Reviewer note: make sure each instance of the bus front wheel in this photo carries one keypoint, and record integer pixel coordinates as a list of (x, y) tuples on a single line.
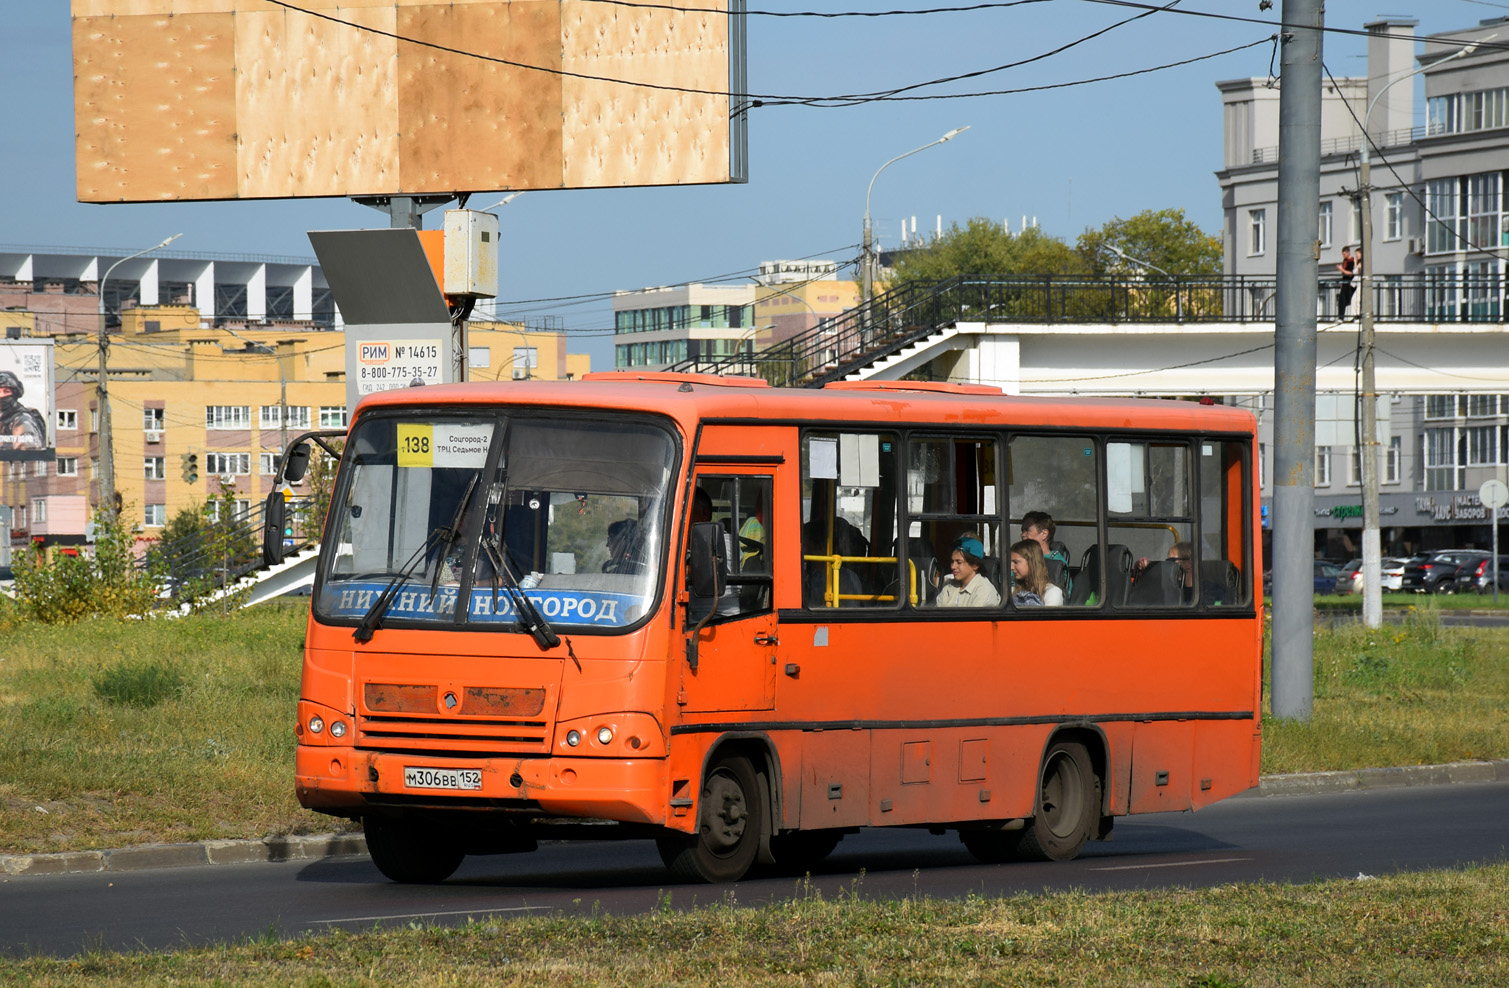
[(410, 853), (1067, 808), (728, 831)]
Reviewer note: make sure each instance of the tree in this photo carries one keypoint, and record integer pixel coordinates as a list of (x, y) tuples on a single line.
[(1162, 238), (983, 247)]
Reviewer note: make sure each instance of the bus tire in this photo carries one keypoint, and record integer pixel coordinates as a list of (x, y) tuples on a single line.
[(411, 853), (728, 830), (1067, 809), (799, 850)]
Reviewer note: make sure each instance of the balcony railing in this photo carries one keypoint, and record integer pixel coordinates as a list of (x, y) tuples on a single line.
[(840, 345)]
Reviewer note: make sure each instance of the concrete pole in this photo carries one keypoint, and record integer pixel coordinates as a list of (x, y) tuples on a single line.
[(1294, 360), (1372, 554)]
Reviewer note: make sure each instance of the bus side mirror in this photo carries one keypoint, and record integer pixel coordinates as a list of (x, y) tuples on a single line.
[(274, 517), (296, 463), (709, 563)]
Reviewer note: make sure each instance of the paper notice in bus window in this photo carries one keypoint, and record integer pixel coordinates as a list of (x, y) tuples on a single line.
[(1119, 478), (424, 444), (822, 459), (859, 460)]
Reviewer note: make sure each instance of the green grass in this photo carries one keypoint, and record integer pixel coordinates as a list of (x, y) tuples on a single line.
[(1413, 693), (1416, 602), (1404, 931), (133, 732)]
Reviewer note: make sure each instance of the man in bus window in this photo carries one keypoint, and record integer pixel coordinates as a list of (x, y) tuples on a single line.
[(1039, 527)]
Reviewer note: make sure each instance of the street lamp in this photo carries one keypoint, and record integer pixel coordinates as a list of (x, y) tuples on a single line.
[(869, 251), (1178, 295), (102, 389), (1372, 555), (504, 201)]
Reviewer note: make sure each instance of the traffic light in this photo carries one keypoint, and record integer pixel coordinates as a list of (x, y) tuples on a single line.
[(190, 468)]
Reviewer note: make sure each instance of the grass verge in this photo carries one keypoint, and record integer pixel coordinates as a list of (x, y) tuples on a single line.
[(1415, 602), (1413, 693), (1434, 928)]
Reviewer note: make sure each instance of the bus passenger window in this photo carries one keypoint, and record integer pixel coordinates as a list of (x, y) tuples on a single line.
[(1149, 505), (849, 526), (953, 523), (1053, 492), (1225, 535), (741, 507)]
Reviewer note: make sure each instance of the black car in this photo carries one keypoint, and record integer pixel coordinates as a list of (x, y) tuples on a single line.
[(1478, 576), (1436, 571)]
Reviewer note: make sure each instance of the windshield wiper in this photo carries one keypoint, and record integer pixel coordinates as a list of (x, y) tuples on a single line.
[(530, 619), (372, 620)]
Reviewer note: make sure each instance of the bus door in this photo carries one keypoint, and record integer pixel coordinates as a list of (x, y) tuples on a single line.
[(737, 646)]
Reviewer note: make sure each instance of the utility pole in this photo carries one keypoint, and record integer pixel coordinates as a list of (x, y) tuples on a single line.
[(102, 387), (1294, 359)]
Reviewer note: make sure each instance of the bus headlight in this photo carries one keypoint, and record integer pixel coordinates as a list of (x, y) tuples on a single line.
[(338, 729), (573, 738), (316, 724), (604, 735)]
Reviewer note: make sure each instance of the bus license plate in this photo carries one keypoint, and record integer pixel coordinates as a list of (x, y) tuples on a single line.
[(415, 777)]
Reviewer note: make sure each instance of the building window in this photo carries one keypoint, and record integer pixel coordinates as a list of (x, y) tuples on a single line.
[(94, 420), (40, 470), (1354, 222), (298, 417), (68, 419), (153, 419), (1393, 216), (1482, 446), (1326, 224), (525, 360), (240, 510), (1392, 461), (1440, 448), (227, 416), (39, 511), (1322, 466), (228, 464), (1483, 210), (155, 516), (1257, 227), (1441, 215), (332, 416), (1482, 406), (156, 467), (1440, 406), (1354, 468), (68, 466)]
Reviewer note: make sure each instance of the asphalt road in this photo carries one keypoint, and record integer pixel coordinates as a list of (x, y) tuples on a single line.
[(1250, 838)]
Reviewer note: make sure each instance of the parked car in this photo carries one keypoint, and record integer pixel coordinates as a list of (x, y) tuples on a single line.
[(1391, 570), (1479, 576), (1328, 577), (1435, 571)]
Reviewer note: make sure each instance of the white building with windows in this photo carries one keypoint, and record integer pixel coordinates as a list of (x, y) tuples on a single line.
[(1440, 226)]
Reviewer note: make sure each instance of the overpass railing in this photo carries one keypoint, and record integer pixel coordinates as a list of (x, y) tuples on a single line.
[(891, 321)]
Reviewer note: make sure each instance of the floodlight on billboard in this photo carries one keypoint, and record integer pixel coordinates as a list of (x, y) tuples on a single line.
[(277, 99), (26, 400)]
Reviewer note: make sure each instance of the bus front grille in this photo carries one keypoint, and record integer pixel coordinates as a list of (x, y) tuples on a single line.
[(453, 735)]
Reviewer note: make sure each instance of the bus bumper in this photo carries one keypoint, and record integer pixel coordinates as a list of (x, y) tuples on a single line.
[(345, 782)]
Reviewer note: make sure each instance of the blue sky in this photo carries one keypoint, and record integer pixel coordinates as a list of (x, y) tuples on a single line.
[(1072, 157)]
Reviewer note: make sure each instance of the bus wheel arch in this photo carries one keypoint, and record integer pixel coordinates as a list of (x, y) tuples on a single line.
[(737, 804)]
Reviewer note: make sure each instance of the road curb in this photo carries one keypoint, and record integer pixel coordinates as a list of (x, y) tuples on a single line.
[(321, 846), (1303, 783)]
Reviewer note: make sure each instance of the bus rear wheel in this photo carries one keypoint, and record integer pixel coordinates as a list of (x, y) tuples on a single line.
[(411, 853), (1067, 807), (728, 830)]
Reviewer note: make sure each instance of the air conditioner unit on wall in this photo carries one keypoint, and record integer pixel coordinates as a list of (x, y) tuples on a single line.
[(1415, 245), (154, 436)]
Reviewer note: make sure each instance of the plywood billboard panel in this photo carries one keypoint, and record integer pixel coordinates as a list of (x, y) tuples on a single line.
[(221, 99)]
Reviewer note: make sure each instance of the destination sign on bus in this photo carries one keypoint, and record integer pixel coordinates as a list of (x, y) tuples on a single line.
[(426, 444), (596, 608)]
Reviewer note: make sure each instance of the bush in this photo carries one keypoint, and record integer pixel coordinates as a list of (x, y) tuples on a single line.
[(137, 684), (61, 589)]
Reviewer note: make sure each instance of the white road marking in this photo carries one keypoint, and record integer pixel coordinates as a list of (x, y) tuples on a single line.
[(453, 912), (1172, 864)]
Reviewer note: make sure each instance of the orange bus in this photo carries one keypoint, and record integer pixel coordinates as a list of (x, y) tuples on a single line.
[(745, 621)]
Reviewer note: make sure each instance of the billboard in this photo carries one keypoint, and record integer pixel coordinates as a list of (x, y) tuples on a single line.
[(26, 400), (230, 99)]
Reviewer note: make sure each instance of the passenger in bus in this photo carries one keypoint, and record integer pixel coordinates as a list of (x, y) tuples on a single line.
[(967, 587), (1182, 555), (1039, 527), (1031, 586)]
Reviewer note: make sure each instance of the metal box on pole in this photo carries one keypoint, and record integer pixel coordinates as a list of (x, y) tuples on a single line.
[(471, 254)]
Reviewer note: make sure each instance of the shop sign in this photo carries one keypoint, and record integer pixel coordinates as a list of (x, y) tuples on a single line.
[(1457, 507)]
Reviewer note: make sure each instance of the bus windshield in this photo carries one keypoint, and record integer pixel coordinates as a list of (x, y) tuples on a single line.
[(452, 507)]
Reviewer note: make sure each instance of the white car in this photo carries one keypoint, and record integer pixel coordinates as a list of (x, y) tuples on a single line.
[(1393, 575)]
